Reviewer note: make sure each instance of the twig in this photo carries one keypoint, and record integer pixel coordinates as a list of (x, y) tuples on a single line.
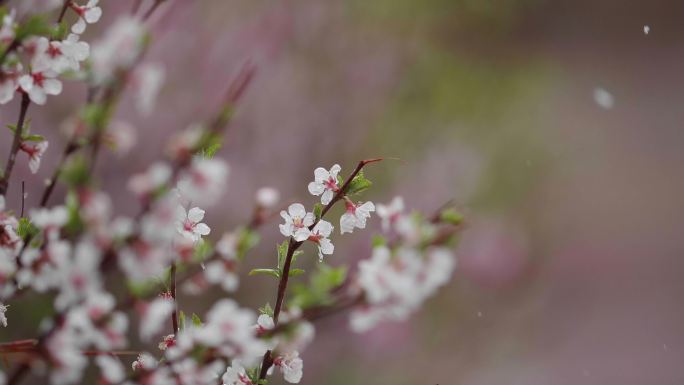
[(62, 12), (23, 197), (4, 182), (174, 314), (267, 360)]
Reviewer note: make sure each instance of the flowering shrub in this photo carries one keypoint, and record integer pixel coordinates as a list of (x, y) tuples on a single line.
[(65, 251)]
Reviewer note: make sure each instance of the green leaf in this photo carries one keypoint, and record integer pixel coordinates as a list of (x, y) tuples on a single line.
[(36, 25), (248, 239), (272, 272), (379, 240), (358, 184), (33, 138), (296, 272), (203, 250), (209, 144), (181, 320), (60, 31), (74, 224), (266, 309), (196, 320), (26, 229), (95, 116), (318, 211), (451, 216), (75, 172), (317, 291), (282, 253)]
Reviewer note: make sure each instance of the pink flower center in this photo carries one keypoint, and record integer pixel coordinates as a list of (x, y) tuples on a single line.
[(53, 51), (331, 184), (298, 222), (315, 238), (351, 207), (31, 151), (189, 225), (38, 78)]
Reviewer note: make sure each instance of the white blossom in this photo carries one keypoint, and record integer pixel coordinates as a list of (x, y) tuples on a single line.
[(390, 213), (297, 222), (3, 316), (189, 223), (35, 152), (230, 330), (120, 48), (355, 216), (223, 271), (111, 368), (325, 183), (87, 14), (155, 316), (144, 361), (205, 181), (39, 84), (291, 365), (235, 375), (146, 183), (267, 197), (147, 82), (9, 79), (319, 235)]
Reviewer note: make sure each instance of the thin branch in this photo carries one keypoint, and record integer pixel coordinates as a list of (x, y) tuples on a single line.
[(23, 198), (4, 182), (267, 360), (62, 12), (174, 314)]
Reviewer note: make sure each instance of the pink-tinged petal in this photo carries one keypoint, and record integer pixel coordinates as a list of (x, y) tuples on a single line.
[(93, 15), (316, 188), (302, 234), (297, 210), (26, 83), (325, 246), (37, 95), (196, 214), (202, 229), (286, 216), (34, 164), (181, 214), (52, 86), (327, 197), (366, 207), (324, 228), (321, 175), (347, 222), (79, 27), (334, 170), (308, 219), (285, 229)]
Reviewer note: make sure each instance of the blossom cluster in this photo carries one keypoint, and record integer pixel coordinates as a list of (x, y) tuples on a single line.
[(111, 277)]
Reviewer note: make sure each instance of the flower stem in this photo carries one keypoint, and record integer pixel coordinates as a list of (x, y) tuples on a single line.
[(174, 314), (267, 361), (4, 182)]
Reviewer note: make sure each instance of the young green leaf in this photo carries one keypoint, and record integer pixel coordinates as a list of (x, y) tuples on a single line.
[(272, 272), (181, 320), (358, 184), (196, 321)]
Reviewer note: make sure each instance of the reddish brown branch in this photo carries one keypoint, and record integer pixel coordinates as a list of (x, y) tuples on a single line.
[(4, 181)]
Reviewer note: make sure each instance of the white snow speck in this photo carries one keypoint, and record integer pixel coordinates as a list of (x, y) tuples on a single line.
[(647, 29), (604, 98)]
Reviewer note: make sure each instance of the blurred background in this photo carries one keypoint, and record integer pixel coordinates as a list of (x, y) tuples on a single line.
[(570, 267)]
